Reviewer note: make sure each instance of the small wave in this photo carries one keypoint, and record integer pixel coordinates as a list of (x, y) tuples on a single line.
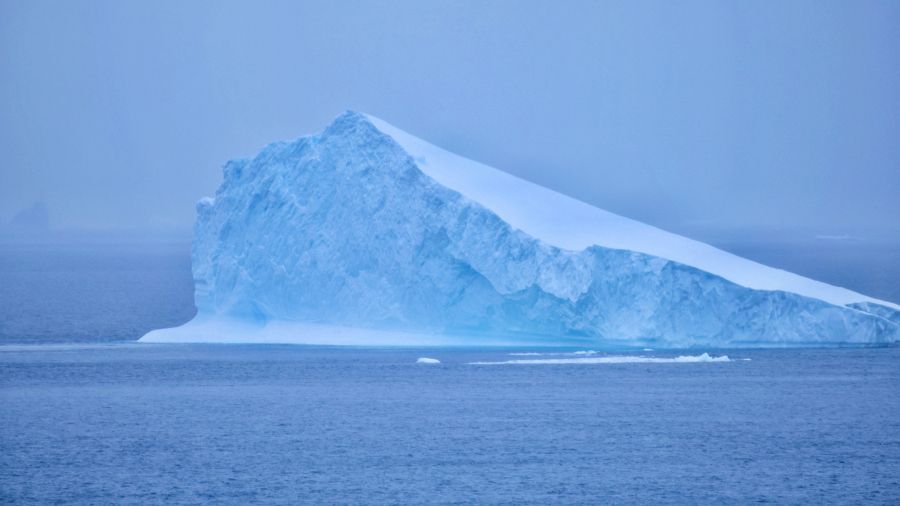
[(616, 359), (526, 354), (426, 360)]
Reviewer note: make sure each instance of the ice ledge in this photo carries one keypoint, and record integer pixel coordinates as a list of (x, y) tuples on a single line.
[(218, 329), (227, 330)]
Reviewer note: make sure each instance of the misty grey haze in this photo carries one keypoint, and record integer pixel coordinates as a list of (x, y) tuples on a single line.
[(767, 128)]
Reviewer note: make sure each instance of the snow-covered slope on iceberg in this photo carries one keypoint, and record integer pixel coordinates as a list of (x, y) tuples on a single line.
[(365, 234), (571, 224)]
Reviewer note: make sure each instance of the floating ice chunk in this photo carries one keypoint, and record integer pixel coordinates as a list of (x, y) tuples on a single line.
[(535, 354), (426, 360), (705, 357), (615, 359)]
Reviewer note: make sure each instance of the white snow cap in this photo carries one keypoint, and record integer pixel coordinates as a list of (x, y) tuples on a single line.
[(571, 224)]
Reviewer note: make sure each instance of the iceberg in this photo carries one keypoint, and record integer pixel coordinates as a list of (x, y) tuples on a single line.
[(365, 234)]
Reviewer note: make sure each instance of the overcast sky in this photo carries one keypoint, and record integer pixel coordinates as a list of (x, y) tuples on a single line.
[(699, 117)]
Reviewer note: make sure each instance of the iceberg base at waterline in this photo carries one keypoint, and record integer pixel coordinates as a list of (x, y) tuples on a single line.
[(226, 330)]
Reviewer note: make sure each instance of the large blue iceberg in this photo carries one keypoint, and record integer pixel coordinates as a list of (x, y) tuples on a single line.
[(363, 234)]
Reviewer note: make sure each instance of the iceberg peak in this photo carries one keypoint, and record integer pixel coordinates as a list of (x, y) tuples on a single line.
[(348, 122)]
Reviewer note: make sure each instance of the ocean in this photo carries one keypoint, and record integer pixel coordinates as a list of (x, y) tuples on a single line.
[(87, 416), (93, 291)]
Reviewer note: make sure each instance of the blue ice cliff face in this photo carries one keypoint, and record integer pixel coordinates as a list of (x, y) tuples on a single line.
[(343, 228)]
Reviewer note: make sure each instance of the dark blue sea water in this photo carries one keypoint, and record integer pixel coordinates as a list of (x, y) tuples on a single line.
[(133, 423), (92, 418), (91, 292)]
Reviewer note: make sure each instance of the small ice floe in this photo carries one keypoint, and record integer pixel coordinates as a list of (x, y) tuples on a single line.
[(617, 359), (535, 354), (426, 360), (705, 357)]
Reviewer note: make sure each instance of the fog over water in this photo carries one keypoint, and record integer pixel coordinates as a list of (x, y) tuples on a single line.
[(766, 129)]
